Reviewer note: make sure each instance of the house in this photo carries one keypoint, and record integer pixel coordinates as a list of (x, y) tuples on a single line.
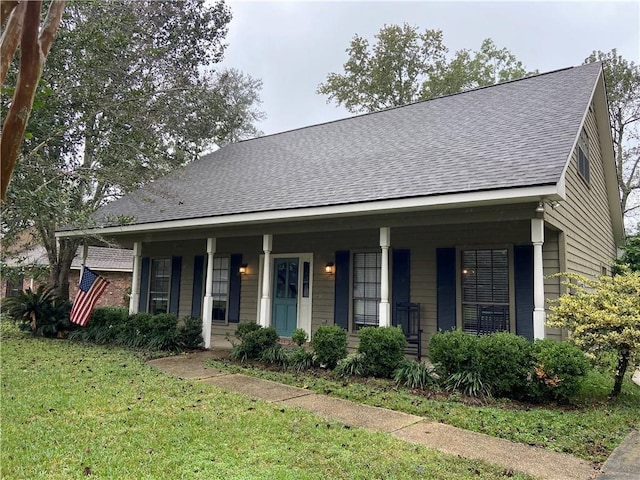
[(114, 264), (453, 209)]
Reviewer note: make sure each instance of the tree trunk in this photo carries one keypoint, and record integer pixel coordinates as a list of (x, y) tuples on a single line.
[(623, 363), (35, 44), (60, 270)]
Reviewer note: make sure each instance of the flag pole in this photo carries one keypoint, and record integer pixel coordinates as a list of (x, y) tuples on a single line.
[(85, 251)]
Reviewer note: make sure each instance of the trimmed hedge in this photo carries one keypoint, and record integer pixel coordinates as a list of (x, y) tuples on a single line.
[(383, 350), (503, 361), (559, 370), (113, 325), (254, 341), (329, 344), (507, 365)]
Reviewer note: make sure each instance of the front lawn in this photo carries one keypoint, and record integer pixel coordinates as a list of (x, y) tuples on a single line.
[(590, 429), (71, 410)]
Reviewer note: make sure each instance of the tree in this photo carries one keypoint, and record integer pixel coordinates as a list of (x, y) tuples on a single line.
[(129, 96), (404, 66), (468, 70), (22, 26), (631, 256), (602, 315), (623, 92)]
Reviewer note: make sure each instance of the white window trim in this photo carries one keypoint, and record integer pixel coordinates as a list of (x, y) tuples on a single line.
[(226, 311), (352, 253), (512, 282), (151, 260)]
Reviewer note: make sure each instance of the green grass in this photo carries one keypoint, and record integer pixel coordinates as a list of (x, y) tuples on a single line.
[(71, 410), (590, 429)]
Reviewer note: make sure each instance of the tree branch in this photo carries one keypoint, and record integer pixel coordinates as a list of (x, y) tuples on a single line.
[(30, 69), (10, 37), (50, 27), (6, 7)]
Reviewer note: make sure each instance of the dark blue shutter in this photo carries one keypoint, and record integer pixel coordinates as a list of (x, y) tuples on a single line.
[(400, 279), (523, 273), (446, 288), (341, 299), (198, 274), (234, 288), (174, 296), (145, 269)]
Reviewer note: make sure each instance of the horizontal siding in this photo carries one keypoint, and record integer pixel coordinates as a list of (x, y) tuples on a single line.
[(422, 241), (585, 216)]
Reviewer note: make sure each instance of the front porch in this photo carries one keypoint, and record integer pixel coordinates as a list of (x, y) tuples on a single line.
[(351, 273)]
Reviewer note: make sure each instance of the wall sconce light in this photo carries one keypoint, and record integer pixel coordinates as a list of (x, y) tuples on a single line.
[(243, 269), (328, 268), (552, 203)]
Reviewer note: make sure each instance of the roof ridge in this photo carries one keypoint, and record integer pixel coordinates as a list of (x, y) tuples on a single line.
[(415, 102)]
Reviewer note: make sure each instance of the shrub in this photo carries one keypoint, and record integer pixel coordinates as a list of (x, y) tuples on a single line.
[(559, 370), (353, 364), (330, 345), (469, 383), (503, 361), (41, 312), (413, 374), (274, 354), (299, 336), (383, 349), (603, 315), (244, 328), (453, 351), (300, 359), (190, 333), (104, 326), (254, 342)]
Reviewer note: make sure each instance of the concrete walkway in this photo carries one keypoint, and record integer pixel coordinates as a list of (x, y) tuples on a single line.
[(540, 463)]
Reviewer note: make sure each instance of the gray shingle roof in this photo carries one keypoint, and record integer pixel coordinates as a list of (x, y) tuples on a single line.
[(513, 134), (98, 258)]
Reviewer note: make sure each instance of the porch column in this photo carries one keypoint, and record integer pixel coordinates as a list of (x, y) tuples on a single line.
[(207, 307), (385, 306), (265, 299), (539, 314), (134, 299)]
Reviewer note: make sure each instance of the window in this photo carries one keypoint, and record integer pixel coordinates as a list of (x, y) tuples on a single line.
[(14, 286), (366, 289), (583, 155), (159, 285), (220, 287), (485, 291)]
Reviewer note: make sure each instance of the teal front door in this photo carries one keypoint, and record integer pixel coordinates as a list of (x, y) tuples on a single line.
[(285, 296)]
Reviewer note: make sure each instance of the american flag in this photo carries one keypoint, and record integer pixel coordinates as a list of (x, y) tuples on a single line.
[(91, 287)]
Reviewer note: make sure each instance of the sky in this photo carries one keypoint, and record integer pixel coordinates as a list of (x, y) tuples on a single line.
[(293, 46)]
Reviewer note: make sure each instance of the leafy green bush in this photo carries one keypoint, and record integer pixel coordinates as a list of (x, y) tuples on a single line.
[(353, 364), (300, 359), (453, 351), (330, 345), (254, 342), (383, 349), (413, 374), (113, 325), (244, 328), (190, 333), (299, 336), (503, 361), (602, 314), (559, 370)]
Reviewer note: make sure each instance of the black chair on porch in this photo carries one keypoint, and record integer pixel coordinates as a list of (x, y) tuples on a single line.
[(407, 317)]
